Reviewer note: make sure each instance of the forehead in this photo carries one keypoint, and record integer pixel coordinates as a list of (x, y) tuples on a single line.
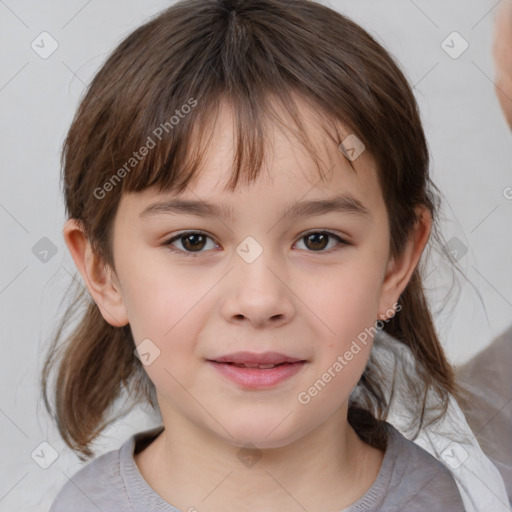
[(289, 172)]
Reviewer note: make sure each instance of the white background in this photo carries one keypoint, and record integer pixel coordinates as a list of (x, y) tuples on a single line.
[(471, 163)]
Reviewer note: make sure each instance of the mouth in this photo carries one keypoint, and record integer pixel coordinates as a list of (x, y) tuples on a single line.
[(259, 366), (258, 373), (254, 359)]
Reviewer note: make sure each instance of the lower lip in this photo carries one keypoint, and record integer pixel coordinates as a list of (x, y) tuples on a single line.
[(256, 378)]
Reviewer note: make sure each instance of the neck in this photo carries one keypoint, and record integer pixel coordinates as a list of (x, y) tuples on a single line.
[(326, 470)]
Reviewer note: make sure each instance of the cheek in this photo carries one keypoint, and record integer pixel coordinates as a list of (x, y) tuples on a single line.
[(346, 300), (167, 308), (162, 301)]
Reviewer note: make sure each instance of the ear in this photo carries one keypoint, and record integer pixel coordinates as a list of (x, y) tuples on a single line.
[(401, 268), (99, 278)]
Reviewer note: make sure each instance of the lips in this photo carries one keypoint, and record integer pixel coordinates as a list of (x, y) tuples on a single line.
[(259, 366), (256, 360), (252, 371)]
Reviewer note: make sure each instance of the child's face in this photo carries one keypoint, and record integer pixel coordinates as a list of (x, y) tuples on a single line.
[(306, 298)]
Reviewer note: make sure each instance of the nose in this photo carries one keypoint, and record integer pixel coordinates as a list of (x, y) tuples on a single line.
[(257, 293)]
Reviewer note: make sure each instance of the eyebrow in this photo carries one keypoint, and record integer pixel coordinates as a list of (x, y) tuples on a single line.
[(342, 204)]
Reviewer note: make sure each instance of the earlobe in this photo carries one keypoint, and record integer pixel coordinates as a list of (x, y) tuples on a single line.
[(99, 278), (401, 268)]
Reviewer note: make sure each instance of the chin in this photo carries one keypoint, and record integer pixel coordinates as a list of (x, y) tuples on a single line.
[(268, 433), (260, 441)]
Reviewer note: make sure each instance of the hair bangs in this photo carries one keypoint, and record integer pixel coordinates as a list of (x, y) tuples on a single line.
[(175, 157)]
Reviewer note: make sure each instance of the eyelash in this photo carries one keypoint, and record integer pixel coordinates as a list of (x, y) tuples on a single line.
[(169, 242)]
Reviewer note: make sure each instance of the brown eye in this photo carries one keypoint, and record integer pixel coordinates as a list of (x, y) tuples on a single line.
[(193, 243), (318, 241)]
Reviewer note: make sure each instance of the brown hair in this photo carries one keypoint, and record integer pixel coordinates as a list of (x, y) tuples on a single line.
[(180, 65)]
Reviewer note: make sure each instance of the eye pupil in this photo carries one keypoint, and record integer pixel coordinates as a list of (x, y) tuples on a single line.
[(315, 237), (186, 238)]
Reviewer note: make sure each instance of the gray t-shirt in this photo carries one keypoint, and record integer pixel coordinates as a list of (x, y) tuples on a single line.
[(409, 480)]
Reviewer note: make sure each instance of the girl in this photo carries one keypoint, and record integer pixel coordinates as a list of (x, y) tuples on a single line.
[(246, 313)]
